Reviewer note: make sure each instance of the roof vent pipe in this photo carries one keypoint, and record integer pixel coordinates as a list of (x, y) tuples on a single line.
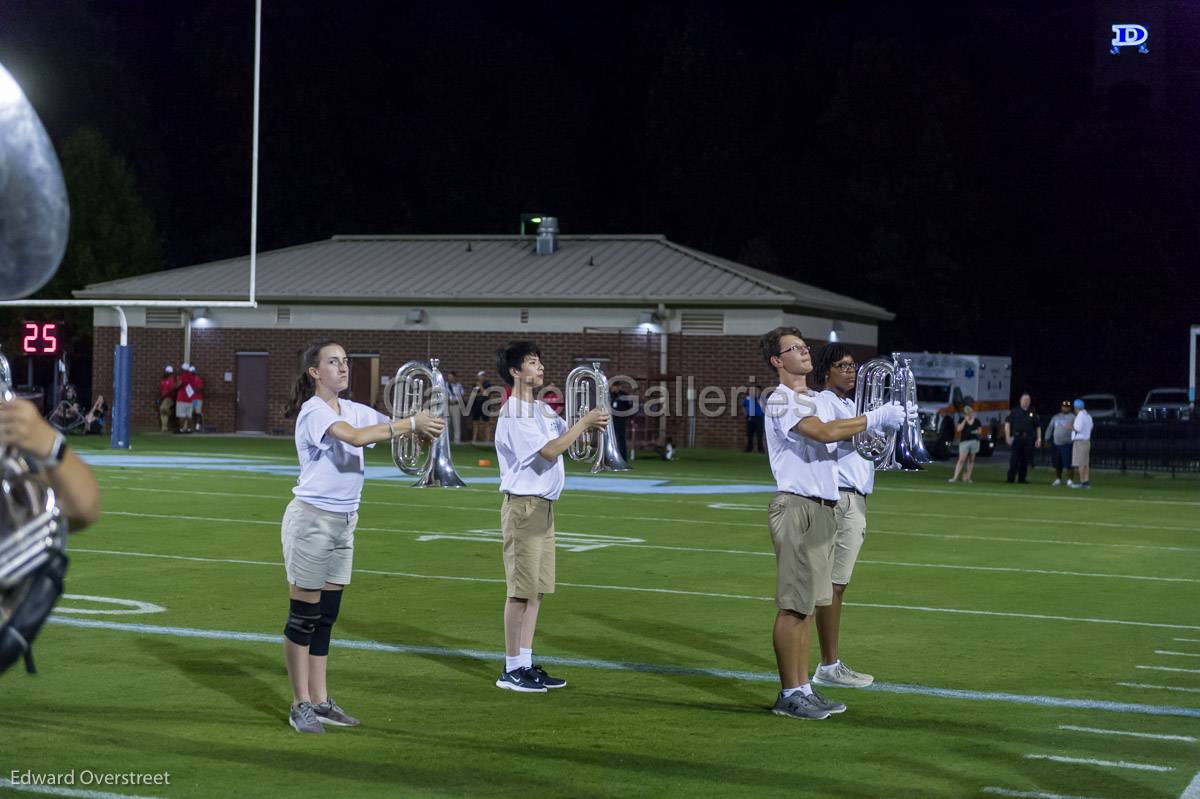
[(547, 238)]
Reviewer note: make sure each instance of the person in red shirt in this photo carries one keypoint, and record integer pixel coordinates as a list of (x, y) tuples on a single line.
[(183, 398), (166, 395), (197, 400)]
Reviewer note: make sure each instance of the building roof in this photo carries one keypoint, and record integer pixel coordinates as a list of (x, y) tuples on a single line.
[(584, 270)]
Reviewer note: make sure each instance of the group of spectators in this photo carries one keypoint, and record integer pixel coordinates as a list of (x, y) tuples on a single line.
[(181, 399), (1069, 433), (69, 417)]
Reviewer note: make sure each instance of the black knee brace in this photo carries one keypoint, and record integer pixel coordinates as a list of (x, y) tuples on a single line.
[(302, 622), (331, 603)]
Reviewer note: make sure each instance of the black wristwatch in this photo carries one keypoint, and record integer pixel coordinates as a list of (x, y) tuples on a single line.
[(57, 452)]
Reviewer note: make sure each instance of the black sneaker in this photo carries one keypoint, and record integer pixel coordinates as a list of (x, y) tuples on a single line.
[(545, 679), (522, 679)]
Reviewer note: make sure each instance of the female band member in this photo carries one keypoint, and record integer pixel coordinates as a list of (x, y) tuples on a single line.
[(318, 526)]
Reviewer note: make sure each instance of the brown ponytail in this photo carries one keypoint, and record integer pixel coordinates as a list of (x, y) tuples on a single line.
[(303, 388)]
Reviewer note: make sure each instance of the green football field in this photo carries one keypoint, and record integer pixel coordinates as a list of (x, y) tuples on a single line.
[(1027, 641)]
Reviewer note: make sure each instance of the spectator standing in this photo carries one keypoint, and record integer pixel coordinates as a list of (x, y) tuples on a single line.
[(197, 400), (183, 398), (454, 395), (1023, 432), (166, 396), (968, 443), (1081, 446), (1059, 434), (752, 407)]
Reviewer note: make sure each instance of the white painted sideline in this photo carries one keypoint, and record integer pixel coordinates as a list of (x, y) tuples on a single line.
[(1177, 654), (645, 668), (996, 790), (1087, 761), (55, 790), (1151, 735), (673, 591)]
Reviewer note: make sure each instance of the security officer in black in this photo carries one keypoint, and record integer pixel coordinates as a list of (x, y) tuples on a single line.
[(1023, 431)]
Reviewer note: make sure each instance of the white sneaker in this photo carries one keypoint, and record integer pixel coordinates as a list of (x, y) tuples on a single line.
[(1071, 484), (951, 480), (1057, 482), (840, 675)]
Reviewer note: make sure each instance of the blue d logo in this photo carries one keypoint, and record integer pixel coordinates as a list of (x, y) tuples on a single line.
[(1128, 35)]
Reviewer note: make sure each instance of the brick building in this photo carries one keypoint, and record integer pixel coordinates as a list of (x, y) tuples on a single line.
[(662, 314)]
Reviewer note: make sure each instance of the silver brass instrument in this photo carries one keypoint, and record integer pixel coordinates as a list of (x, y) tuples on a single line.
[(34, 223), (34, 214), (587, 388), (882, 381), (420, 386), (33, 542)]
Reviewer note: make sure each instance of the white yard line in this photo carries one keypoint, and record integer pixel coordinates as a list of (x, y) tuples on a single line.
[(1150, 735), (674, 591), (1169, 668), (1150, 687), (1177, 654), (1088, 761), (995, 790)]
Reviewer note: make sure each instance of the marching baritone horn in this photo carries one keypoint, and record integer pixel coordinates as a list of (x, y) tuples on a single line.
[(587, 388), (882, 381), (418, 386)]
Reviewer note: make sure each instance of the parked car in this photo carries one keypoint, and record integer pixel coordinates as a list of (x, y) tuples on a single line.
[(1103, 407), (1163, 404)]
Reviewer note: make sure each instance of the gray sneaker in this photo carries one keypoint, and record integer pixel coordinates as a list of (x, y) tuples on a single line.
[(827, 704), (329, 712), (799, 706), (839, 675), (303, 718)]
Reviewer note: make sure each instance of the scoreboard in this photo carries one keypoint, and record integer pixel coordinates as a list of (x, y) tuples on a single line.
[(42, 338)]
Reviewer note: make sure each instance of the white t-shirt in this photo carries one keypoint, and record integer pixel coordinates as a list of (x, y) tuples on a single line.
[(800, 464), (331, 471), (1081, 428), (522, 429), (854, 471)]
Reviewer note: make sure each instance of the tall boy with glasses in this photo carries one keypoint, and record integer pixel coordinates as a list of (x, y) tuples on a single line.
[(835, 372), (802, 436)]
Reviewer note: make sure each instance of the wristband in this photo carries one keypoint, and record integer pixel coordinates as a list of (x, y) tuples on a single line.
[(57, 451)]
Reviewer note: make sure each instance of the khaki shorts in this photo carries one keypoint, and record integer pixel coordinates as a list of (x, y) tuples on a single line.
[(527, 526), (803, 533), (1081, 453), (851, 518), (166, 405), (318, 545)]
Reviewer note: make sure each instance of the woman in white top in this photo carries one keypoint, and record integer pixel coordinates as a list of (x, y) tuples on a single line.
[(318, 526)]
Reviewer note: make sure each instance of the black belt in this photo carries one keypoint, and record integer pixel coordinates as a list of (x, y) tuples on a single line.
[(852, 491), (829, 503)]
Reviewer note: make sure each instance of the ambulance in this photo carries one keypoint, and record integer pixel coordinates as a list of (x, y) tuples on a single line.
[(948, 381)]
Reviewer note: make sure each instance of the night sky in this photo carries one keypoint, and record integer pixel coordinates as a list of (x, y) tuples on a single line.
[(987, 171)]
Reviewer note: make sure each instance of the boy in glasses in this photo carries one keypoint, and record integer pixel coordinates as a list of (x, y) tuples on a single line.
[(802, 434)]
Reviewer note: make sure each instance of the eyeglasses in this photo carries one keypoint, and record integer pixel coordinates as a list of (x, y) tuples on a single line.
[(797, 348), (845, 367)]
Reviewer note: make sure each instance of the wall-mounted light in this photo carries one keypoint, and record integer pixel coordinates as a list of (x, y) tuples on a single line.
[(415, 317), (202, 317), (836, 330)]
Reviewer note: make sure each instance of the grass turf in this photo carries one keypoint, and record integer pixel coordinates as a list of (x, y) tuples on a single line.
[(689, 591)]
